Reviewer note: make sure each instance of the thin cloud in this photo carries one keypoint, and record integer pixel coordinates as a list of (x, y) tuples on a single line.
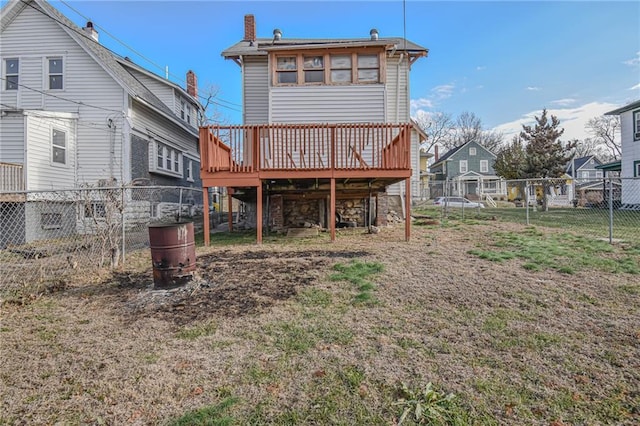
[(444, 91), (421, 103), (637, 86), (563, 102), (533, 88), (572, 120), (634, 62), (480, 68)]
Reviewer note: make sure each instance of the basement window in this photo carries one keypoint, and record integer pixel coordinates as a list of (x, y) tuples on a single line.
[(51, 220)]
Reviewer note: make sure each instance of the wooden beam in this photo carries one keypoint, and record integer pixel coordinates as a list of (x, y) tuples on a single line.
[(259, 214), (205, 202), (407, 209), (332, 210)]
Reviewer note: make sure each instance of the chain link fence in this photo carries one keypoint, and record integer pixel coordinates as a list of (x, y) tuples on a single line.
[(49, 236), (607, 208)]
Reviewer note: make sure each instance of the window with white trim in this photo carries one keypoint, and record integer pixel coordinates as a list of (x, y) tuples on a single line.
[(189, 176), (636, 125), (11, 73), (166, 159), (95, 210), (585, 174), (463, 166), (484, 166), (472, 150), (56, 73), (598, 174), (58, 146), (185, 111), (636, 168)]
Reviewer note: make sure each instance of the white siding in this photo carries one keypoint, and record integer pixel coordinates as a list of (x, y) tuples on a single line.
[(31, 75), (256, 90), (328, 104), (84, 81), (398, 188), (42, 172), (630, 154), (164, 92), (397, 90), (12, 138)]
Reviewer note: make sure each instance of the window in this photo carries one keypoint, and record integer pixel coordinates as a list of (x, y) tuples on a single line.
[(55, 73), (190, 170), (341, 68), (368, 68), (58, 146), (188, 108), (313, 67), (183, 105), (287, 69), (463, 166), (472, 151), (94, 210), (167, 159), (636, 125), (598, 174), (185, 111), (585, 174), (484, 166), (11, 73), (636, 168), (51, 220)]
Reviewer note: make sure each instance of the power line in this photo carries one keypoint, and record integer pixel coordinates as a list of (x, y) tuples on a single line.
[(64, 99)]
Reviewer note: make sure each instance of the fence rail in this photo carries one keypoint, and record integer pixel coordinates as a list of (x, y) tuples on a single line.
[(47, 235), (607, 208)]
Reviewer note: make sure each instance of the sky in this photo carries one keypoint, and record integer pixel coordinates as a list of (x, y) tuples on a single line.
[(504, 61)]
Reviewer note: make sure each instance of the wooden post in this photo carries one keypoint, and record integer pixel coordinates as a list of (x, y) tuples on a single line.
[(259, 213), (230, 209), (205, 203), (407, 209), (332, 216)]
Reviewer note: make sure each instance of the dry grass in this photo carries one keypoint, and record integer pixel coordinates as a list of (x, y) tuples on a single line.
[(265, 336)]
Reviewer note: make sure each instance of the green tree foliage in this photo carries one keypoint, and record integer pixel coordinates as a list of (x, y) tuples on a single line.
[(546, 156), (511, 160)]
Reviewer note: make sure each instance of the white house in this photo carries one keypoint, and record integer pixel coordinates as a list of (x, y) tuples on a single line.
[(630, 162), (74, 113)]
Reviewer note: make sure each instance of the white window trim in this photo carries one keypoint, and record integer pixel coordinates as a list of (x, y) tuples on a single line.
[(63, 58), (484, 166), (635, 116), (189, 172), (153, 159), (4, 73), (472, 150), (464, 166), (66, 132)]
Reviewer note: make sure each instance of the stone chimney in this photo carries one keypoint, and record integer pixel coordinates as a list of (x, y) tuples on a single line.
[(192, 84), (90, 31), (249, 28)]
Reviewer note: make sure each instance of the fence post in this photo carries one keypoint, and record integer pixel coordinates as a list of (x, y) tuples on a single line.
[(610, 211), (122, 220)]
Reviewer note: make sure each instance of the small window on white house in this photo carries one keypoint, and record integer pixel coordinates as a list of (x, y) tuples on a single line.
[(636, 125), (463, 166), (167, 159), (313, 67), (472, 151), (11, 73), (183, 105), (58, 146), (55, 73), (190, 170), (51, 220), (188, 108), (341, 68), (286, 69), (484, 166), (368, 68)]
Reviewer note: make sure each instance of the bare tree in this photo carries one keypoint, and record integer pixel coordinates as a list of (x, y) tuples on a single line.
[(437, 125), (211, 111), (605, 130), (468, 127)]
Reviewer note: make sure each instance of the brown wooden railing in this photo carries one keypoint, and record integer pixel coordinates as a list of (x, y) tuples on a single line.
[(11, 177), (252, 148)]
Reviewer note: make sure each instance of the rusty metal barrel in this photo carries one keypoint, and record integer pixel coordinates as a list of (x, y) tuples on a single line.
[(173, 253)]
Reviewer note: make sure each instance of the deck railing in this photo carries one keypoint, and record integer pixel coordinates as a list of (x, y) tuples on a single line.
[(272, 147), (11, 177)]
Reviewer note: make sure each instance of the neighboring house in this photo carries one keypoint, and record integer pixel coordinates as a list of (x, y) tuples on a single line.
[(630, 161), (326, 131), (588, 181), (72, 113), (425, 174), (468, 169)]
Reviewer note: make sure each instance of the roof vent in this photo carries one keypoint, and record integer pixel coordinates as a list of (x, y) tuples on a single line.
[(277, 34), (374, 34), (90, 31)]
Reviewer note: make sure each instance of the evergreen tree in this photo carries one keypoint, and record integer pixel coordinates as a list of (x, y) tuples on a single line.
[(546, 155), (511, 160)]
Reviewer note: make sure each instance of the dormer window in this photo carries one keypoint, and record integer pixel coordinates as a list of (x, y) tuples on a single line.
[(185, 111)]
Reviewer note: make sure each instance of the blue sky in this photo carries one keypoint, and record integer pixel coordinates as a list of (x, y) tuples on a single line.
[(503, 61)]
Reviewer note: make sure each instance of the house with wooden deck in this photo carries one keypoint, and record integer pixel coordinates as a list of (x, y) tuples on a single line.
[(73, 113), (326, 131)]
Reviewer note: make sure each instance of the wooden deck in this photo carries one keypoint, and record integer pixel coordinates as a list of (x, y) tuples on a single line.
[(318, 160)]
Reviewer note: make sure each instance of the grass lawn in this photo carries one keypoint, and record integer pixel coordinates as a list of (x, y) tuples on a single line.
[(473, 321)]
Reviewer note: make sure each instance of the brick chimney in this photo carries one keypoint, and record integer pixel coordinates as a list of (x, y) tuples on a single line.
[(249, 28), (192, 84)]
